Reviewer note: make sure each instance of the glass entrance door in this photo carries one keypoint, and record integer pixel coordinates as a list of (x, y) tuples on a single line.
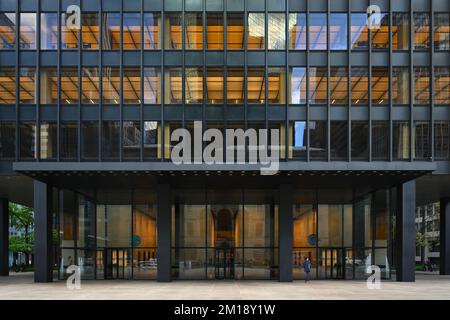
[(117, 263), (332, 263), (224, 263)]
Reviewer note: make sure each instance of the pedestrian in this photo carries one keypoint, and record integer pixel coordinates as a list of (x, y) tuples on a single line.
[(307, 267)]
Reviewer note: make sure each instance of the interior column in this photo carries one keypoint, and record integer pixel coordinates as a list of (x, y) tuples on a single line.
[(285, 232), (4, 237), (444, 265), (164, 225)]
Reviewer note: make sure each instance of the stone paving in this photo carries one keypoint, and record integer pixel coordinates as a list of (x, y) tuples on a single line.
[(427, 286)]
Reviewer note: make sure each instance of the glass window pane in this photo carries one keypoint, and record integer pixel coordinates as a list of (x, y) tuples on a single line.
[(380, 36), (318, 140), (298, 140), (235, 31), (338, 140), (111, 31), (359, 36), (152, 31), (442, 139), (441, 85), (131, 88), (442, 31), (214, 85), (359, 85), (297, 85), (111, 85), (8, 86), (277, 84), (131, 140), (338, 31), (421, 85), (27, 83), (380, 86), (360, 140), (90, 85), (330, 225), (401, 140), (89, 140), (318, 31), (131, 31), (277, 31), (69, 86), (49, 86), (7, 30), (304, 217), (380, 140), (145, 239), (297, 31), (68, 141), (173, 86), (49, 142), (27, 135), (27, 37), (194, 85), (255, 85), (173, 31), (49, 31), (214, 31), (421, 30), (110, 140), (400, 31), (152, 85), (422, 140), (90, 31), (317, 85), (194, 31), (339, 85), (256, 31), (400, 85), (118, 232), (69, 34), (152, 140), (235, 85), (7, 140)]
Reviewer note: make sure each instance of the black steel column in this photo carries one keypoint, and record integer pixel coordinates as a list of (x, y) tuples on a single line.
[(285, 232), (444, 265), (43, 253), (4, 237), (405, 231), (164, 233)]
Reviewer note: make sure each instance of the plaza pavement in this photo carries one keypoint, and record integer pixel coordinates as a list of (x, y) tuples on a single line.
[(427, 286)]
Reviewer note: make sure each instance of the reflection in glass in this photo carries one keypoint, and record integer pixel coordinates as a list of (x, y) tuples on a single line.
[(338, 140), (317, 85), (152, 31), (277, 33), (297, 85), (214, 85), (68, 141), (173, 86), (131, 31), (380, 85), (152, 143), (214, 31), (27, 82), (298, 140), (131, 140), (256, 31), (400, 85), (89, 140), (421, 140), (339, 85), (442, 139), (318, 140), (194, 31), (297, 31), (49, 144), (110, 140), (400, 31), (235, 31), (49, 86), (144, 241), (277, 84), (359, 32), (442, 31), (338, 31), (380, 140), (131, 87), (359, 83), (173, 31), (27, 32), (330, 221), (421, 30), (401, 140), (421, 85), (255, 85), (69, 85), (235, 85), (111, 85), (318, 31), (69, 34), (380, 36), (7, 30), (152, 85), (27, 136), (441, 85), (90, 83), (8, 87), (49, 31), (111, 31), (194, 85), (360, 140), (90, 31)]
